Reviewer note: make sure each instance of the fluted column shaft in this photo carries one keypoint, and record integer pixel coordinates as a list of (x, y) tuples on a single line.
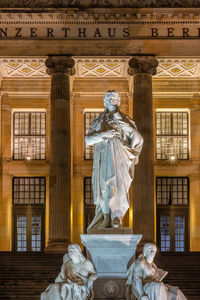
[(142, 68), (60, 68)]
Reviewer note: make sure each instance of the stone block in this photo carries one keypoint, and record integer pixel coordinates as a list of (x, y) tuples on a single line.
[(111, 254)]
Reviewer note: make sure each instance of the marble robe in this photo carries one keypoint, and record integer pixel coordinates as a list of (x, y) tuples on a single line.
[(114, 161), (143, 280), (65, 287)]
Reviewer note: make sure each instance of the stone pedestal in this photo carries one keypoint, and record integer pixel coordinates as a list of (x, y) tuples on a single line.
[(110, 254), (142, 68), (60, 68)]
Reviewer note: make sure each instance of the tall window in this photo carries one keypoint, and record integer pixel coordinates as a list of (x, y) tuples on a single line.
[(28, 208), (172, 195), (29, 135), (88, 118), (172, 130)]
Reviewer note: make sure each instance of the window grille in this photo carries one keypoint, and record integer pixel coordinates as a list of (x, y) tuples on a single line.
[(172, 135), (172, 190), (88, 118), (179, 233), (165, 233), (21, 232), (29, 190), (88, 193), (36, 233), (29, 131)]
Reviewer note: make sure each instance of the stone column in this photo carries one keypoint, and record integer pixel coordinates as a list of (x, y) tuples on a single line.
[(142, 68), (60, 68)]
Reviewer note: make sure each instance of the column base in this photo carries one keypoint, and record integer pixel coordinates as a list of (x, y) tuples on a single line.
[(57, 246)]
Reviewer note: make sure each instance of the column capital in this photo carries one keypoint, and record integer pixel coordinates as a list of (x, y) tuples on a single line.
[(60, 64), (143, 64)]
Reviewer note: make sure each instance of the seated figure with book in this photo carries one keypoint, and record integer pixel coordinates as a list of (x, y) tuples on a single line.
[(145, 279)]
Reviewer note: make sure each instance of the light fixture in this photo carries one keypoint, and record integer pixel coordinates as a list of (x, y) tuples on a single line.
[(28, 158), (172, 157)]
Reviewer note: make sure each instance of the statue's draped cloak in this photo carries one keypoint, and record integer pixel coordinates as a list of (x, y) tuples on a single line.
[(114, 160)]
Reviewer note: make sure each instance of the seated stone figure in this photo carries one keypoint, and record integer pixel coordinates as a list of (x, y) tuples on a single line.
[(75, 281), (145, 279)]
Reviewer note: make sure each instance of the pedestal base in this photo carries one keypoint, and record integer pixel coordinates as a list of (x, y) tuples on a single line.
[(110, 254)]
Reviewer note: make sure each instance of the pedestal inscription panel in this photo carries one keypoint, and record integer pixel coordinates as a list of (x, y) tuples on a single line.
[(111, 253)]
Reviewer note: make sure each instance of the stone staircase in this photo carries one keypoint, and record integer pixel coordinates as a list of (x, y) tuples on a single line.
[(184, 271), (25, 276)]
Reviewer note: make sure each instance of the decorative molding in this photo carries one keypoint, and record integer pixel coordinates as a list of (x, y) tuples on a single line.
[(23, 67), (90, 16), (86, 67), (97, 3), (111, 289), (99, 67), (177, 67)]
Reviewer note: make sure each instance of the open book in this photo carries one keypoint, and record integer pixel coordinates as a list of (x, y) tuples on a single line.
[(161, 274)]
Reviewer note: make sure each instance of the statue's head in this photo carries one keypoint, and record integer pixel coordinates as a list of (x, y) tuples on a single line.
[(111, 99), (149, 251), (74, 252)]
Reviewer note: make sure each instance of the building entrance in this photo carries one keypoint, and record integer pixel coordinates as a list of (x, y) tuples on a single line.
[(28, 229), (172, 213), (28, 213)]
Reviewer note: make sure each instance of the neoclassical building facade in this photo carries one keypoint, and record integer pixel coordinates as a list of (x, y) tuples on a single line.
[(57, 60)]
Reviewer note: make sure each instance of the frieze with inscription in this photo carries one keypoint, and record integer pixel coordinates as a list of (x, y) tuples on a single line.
[(99, 30), (97, 3)]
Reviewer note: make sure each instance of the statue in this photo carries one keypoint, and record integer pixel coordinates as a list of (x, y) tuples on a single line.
[(117, 147), (75, 281), (145, 279)]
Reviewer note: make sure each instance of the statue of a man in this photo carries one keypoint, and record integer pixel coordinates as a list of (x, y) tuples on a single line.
[(117, 147)]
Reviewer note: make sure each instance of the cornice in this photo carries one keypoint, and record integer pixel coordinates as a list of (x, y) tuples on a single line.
[(100, 15), (84, 4)]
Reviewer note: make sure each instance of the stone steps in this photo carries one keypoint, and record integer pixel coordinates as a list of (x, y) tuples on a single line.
[(25, 276), (184, 271)]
